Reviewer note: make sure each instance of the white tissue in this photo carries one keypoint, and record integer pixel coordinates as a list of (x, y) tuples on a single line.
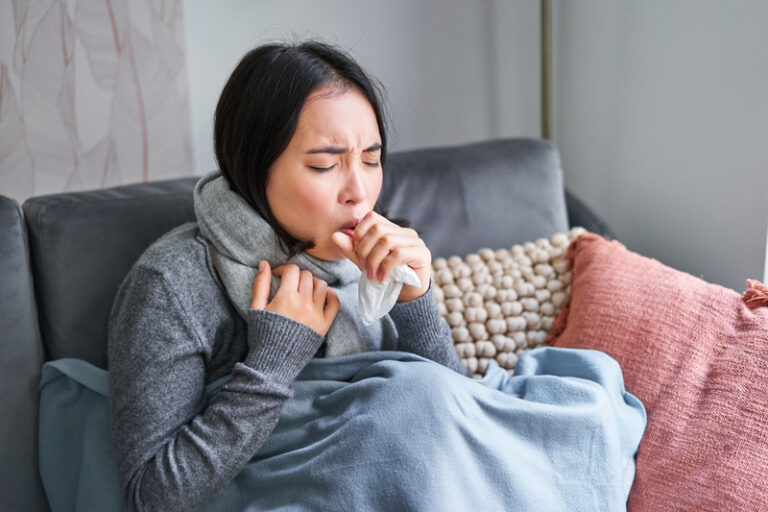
[(376, 299)]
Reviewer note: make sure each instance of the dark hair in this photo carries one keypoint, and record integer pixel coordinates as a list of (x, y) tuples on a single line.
[(259, 109)]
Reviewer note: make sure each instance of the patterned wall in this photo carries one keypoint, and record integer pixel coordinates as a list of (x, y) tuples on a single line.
[(93, 93)]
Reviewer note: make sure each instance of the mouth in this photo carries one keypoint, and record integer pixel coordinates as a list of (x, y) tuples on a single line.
[(349, 227)]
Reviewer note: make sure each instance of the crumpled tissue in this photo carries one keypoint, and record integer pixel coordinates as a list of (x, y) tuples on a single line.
[(376, 299)]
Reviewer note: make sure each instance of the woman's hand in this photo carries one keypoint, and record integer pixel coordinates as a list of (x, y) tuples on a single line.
[(301, 296), (378, 246)]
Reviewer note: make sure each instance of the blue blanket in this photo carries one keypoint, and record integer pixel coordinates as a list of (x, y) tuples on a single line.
[(390, 431)]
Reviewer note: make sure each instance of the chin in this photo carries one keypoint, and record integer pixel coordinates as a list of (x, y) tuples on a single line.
[(327, 253)]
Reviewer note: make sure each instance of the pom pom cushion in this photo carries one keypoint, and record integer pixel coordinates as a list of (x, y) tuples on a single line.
[(502, 303), (696, 355)]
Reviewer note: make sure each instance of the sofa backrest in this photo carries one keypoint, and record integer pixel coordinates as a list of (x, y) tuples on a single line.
[(460, 198), (487, 194), (83, 244), (21, 356)]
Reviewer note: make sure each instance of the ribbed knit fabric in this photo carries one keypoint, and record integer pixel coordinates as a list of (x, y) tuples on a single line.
[(238, 238), (297, 343), (422, 331), (172, 331)]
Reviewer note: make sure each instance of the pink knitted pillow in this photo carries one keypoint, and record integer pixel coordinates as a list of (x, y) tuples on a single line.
[(696, 355)]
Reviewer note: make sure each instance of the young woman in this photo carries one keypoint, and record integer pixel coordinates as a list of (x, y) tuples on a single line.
[(265, 280)]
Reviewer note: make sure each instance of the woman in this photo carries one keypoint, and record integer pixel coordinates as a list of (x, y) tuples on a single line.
[(264, 281)]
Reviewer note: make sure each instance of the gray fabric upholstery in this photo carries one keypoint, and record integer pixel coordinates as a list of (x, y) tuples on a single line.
[(461, 198), (489, 194), (21, 356), (83, 245), (579, 214)]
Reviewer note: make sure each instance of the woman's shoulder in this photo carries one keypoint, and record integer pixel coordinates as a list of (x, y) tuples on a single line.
[(175, 272), (179, 254)]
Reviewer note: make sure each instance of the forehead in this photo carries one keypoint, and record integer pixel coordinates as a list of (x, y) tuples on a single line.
[(338, 115)]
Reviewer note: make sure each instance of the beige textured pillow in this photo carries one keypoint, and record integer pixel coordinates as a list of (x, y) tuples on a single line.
[(501, 303)]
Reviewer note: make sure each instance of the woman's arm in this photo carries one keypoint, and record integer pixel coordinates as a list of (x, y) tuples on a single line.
[(171, 453), (422, 331)]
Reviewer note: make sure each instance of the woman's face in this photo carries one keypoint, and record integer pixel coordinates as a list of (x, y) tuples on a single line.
[(329, 176)]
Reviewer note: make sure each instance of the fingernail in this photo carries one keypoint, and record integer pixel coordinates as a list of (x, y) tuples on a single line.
[(261, 264), (370, 274)]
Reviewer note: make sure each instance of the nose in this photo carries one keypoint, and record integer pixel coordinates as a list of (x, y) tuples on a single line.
[(353, 189)]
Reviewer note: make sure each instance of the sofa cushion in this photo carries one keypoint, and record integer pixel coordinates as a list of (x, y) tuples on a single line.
[(21, 356), (695, 354)]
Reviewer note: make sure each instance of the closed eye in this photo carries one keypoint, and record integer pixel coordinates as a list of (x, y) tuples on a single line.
[(322, 169), (326, 169)]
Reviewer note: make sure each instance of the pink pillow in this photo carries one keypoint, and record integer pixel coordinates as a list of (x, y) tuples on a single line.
[(697, 357)]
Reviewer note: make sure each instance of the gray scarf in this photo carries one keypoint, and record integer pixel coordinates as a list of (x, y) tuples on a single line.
[(238, 237)]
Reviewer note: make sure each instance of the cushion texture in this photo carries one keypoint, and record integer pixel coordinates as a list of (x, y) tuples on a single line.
[(696, 356), (502, 303)]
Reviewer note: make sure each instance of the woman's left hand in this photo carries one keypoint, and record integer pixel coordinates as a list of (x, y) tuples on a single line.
[(378, 246)]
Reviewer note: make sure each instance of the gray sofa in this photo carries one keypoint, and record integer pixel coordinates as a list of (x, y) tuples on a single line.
[(64, 255)]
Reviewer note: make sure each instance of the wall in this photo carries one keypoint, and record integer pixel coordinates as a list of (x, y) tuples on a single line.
[(455, 71), (93, 93), (660, 109), (661, 117), (102, 93)]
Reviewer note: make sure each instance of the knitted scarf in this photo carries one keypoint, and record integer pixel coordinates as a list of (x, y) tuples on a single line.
[(238, 238)]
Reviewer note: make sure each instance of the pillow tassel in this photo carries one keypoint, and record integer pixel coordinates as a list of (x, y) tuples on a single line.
[(756, 294)]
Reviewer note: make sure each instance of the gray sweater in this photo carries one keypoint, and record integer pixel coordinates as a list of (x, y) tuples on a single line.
[(172, 331)]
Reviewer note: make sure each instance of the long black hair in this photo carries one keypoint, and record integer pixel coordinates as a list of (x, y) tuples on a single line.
[(259, 109)]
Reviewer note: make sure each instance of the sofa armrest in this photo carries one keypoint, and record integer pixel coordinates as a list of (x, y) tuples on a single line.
[(579, 214), (20, 361)]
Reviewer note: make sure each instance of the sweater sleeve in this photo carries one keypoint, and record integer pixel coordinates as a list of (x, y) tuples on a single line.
[(171, 453), (422, 331)]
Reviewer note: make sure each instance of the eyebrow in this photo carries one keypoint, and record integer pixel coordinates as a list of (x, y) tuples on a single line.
[(335, 150)]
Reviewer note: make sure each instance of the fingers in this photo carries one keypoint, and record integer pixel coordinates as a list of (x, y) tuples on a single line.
[(261, 286), (371, 228), (411, 256), (332, 306), (289, 276), (365, 245), (371, 219), (306, 283), (320, 290), (302, 297), (293, 279), (374, 240), (388, 246), (345, 244)]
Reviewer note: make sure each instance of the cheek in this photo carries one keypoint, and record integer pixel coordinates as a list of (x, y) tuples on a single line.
[(293, 201), (374, 186), (315, 200)]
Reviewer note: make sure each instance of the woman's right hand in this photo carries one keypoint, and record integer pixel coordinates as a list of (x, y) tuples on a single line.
[(301, 296)]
